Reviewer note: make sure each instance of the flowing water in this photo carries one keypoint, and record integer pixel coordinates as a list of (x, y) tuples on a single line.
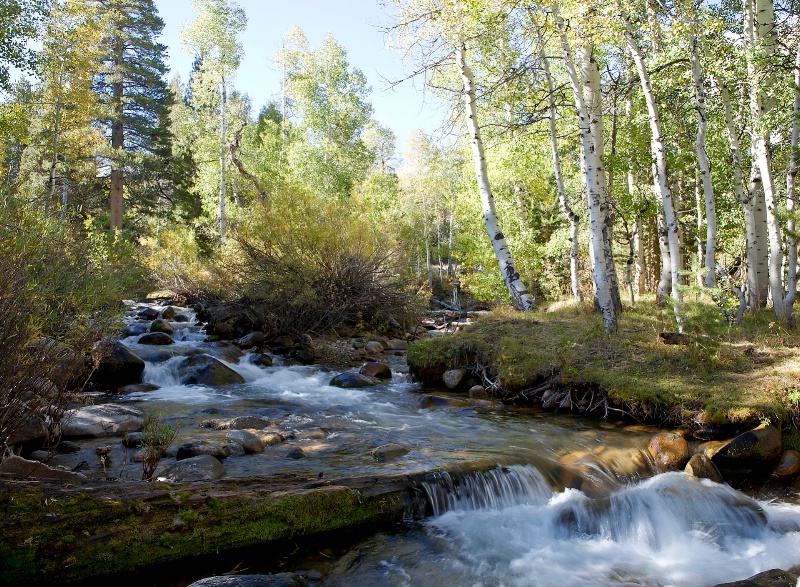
[(561, 500)]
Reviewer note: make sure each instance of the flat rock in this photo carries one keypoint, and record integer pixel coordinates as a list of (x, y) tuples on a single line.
[(279, 580), (199, 468), (670, 451), (246, 422), (773, 578), (702, 467), (156, 338), (201, 447), (389, 451), (351, 380), (206, 370), (102, 420), (115, 364), (15, 465), (250, 441), (373, 369), (788, 465), (217, 424)]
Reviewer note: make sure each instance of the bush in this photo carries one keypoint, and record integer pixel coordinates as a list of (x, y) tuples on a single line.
[(313, 266), (157, 435)]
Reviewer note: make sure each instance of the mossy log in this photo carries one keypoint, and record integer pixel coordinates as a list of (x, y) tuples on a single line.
[(55, 534)]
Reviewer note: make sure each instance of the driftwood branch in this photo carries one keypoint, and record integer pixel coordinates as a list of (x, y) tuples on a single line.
[(235, 146)]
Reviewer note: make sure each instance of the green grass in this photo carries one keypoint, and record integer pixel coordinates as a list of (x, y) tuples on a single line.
[(743, 374)]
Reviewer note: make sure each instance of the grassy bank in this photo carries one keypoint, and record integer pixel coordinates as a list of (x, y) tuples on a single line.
[(745, 373)]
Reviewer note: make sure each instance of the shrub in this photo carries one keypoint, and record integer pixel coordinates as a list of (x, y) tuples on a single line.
[(157, 435)]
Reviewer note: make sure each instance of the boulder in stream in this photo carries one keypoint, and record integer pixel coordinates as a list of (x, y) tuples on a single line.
[(195, 449), (246, 422), (161, 326), (156, 338), (168, 313), (250, 441), (206, 370), (379, 370), (148, 313), (15, 465), (753, 450), (702, 467), (199, 468), (279, 580), (32, 433), (670, 451), (772, 578), (101, 420), (115, 364), (257, 338), (374, 347), (351, 380), (788, 465), (390, 451)]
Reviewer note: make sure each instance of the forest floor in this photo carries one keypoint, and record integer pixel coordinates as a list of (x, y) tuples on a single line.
[(742, 374)]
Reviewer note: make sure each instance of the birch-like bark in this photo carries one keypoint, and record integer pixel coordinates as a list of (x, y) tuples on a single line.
[(574, 219), (660, 180), (638, 276), (702, 161), (223, 133), (791, 177), (522, 299), (602, 286), (664, 288)]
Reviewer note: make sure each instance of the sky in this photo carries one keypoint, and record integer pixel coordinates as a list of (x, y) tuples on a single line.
[(356, 24)]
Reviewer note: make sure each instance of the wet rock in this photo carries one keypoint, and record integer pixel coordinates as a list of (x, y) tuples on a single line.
[(161, 326), (260, 359), (773, 578), (755, 449), (395, 344), (137, 388), (148, 313), (15, 465), (296, 453), (180, 318), (270, 438), (132, 440), (250, 441), (67, 447), (229, 353), (253, 339), (38, 455), (134, 329), (216, 424), (115, 364), (478, 392), (234, 449), (354, 380), (379, 370), (670, 451), (199, 468), (156, 338), (32, 432), (195, 449), (246, 422), (453, 377), (168, 313), (374, 347), (279, 580), (702, 467), (227, 320), (101, 420), (388, 452), (436, 401), (315, 433), (206, 370), (711, 447), (304, 355), (788, 465)]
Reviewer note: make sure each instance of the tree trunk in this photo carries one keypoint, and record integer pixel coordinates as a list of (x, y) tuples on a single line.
[(664, 288), (223, 135), (574, 219), (791, 177), (117, 138), (522, 299), (604, 299), (660, 179)]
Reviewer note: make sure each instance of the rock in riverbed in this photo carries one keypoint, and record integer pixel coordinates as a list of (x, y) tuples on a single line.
[(199, 468), (102, 420)]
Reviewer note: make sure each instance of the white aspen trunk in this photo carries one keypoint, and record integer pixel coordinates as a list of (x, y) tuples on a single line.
[(638, 276), (574, 219), (522, 299), (223, 134), (698, 204), (660, 183), (791, 176), (664, 288), (427, 237), (602, 286), (593, 98), (702, 162)]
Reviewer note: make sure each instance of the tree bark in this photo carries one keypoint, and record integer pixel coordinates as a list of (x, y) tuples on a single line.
[(522, 299)]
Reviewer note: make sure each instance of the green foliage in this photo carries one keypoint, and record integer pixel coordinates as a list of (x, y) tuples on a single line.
[(18, 25), (157, 435)]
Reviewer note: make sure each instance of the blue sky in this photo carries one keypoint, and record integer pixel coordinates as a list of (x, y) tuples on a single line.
[(355, 24)]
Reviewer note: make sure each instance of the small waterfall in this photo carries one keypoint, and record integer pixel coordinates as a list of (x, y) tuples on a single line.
[(165, 373)]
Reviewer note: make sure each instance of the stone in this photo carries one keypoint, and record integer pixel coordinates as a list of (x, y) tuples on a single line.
[(250, 441), (168, 313), (711, 447), (315, 433), (161, 326), (67, 447), (234, 449), (134, 329), (453, 377), (199, 468), (137, 388), (216, 424), (772, 578), (206, 370), (180, 318), (156, 338), (788, 465), (33, 431), (388, 452), (256, 338), (478, 392), (755, 449), (260, 359), (303, 355), (278, 580), (670, 451), (270, 438), (195, 449), (148, 313), (437, 401), (296, 453), (305, 340), (132, 440), (101, 420), (15, 465), (374, 347), (115, 364), (351, 380), (373, 369), (395, 344), (702, 467), (250, 422)]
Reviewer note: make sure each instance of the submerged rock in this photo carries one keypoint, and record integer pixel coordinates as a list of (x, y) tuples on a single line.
[(279, 580), (388, 452), (379, 370), (296, 453), (102, 420), (354, 380), (115, 364), (199, 468), (670, 451), (206, 370)]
